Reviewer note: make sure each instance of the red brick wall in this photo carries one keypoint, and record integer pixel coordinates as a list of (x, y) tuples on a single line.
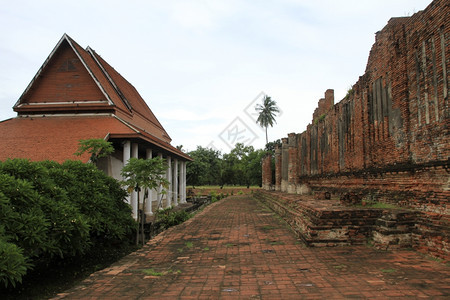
[(65, 79), (390, 135)]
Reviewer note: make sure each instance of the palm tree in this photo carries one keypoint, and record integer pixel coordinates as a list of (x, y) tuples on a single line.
[(267, 112)]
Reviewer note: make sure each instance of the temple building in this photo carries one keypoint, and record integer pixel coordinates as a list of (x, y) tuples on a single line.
[(77, 95)]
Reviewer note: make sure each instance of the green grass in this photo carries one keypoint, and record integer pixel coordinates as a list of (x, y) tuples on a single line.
[(276, 243), (339, 267), (151, 272), (268, 227), (385, 205), (207, 187), (189, 245), (380, 205), (388, 270)]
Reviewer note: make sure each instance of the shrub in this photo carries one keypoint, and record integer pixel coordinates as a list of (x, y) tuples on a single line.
[(48, 210), (99, 198), (168, 217), (44, 221), (13, 264)]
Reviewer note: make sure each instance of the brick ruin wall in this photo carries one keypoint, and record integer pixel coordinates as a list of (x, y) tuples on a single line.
[(388, 139)]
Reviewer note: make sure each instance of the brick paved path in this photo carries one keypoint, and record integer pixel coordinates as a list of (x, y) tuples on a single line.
[(238, 249)]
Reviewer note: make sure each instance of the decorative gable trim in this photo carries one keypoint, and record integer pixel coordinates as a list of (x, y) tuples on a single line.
[(69, 40), (116, 88)]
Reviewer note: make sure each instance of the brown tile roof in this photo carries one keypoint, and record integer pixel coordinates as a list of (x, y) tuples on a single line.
[(129, 92), (99, 76), (56, 138), (74, 81)]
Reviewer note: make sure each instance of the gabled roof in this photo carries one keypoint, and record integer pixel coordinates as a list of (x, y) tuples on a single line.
[(77, 95), (114, 93)]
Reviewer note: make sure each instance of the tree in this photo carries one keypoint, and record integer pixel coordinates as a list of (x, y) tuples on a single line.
[(96, 147), (144, 174), (267, 112), (242, 165), (205, 169), (270, 147)]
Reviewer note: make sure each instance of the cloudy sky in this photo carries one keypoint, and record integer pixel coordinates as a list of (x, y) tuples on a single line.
[(203, 65)]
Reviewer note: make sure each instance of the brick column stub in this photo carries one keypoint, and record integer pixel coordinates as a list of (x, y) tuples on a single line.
[(292, 162), (267, 172), (277, 168)]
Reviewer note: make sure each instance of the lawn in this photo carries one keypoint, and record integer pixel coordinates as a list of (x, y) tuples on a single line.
[(230, 190)]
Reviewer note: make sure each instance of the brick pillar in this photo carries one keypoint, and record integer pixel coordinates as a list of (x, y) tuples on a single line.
[(277, 168), (284, 164), (267, 172), (292, 163), (329, 100)]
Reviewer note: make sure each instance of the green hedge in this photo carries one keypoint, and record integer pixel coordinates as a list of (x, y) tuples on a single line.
[(50, 210)]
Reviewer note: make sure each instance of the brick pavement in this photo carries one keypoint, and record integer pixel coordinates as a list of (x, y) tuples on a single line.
[(238, 249)]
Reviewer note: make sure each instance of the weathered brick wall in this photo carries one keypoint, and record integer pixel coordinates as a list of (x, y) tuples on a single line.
[(389, 137)]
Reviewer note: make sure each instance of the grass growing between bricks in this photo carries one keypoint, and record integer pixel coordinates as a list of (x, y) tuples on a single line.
[(152, 272), (268, 227), (273, 243), (388, 270)]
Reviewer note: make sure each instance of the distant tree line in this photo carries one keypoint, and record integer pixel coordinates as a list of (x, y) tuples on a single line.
[(242, 166)]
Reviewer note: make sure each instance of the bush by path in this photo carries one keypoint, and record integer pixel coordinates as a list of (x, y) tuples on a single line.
[(50, 211)]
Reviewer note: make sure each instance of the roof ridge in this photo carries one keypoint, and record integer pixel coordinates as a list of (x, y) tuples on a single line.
[(156, 122), (105, 72)]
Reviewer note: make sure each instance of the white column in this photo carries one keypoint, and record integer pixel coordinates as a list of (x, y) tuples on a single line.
[(169, 178), (175, 182), (126, 158), (158, 195), (184, 185), (183, 182), (148, 204), (134, 199)]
